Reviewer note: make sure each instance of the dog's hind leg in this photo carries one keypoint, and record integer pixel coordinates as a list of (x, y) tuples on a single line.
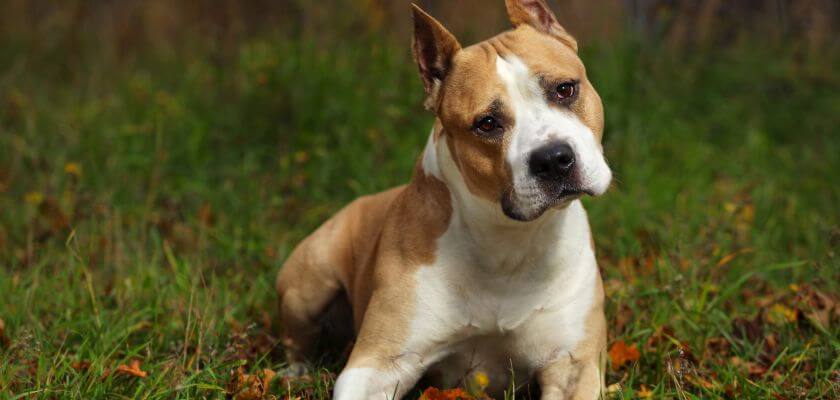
[(307, 284)]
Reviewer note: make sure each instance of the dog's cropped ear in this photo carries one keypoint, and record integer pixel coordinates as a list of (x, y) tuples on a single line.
[(433, 47), (539, 16)]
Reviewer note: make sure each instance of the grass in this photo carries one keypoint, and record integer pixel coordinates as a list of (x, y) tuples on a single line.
[(149, 202)]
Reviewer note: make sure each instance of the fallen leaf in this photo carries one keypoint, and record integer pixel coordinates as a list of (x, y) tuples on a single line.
[(251, 386), (751, 368), (4, 341), (699, 381), (205, 215), (771, 343), (716, 349), (72, 168), (52, 212), (481, 379), (301, 157), (82, 365), (476, 384), (621, 353), (644, 392), (780, 314), (731, 256), (34, 198), (818, 308), (449, 394), (132, 369)]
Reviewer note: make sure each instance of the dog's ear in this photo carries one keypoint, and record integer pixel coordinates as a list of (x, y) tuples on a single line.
[(539, 16), (433, 47)]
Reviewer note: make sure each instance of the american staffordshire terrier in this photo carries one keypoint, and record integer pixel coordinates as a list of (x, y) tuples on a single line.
[(484, 261)]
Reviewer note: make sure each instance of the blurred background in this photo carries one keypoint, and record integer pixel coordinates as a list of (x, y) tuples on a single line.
[(159, 159)]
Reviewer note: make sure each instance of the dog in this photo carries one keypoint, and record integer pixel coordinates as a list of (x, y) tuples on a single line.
[(484, 262)]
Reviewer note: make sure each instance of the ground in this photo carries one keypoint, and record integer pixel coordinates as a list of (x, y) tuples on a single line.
[(147, 204)]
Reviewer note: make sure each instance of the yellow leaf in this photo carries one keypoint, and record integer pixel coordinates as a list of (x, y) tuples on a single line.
[(780, 313), (615, 388), (729, 257), (34, 198), (481, 379), (644, 392), (72, 168)]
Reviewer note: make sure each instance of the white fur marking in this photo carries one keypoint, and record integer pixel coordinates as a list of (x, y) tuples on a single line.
[(366, 383), (430, 159)]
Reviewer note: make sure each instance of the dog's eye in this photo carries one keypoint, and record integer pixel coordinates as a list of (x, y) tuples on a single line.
[(565, 91), (487, 124)]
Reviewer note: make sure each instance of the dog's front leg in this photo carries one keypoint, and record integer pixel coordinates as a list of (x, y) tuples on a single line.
[(381, 383), (572, 378), (388, 358)]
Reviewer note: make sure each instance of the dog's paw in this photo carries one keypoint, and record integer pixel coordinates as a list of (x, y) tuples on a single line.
[(295, 370)]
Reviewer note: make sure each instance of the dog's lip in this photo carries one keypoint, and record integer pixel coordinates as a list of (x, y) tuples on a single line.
[(576, 192)]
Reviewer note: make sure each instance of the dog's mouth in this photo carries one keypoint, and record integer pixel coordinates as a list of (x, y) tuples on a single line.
[(566, 194), (559, 198)]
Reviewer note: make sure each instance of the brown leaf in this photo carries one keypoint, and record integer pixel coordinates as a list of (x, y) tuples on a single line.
[(771, 344), (752, 368), (818, 308), (51, 210), (205, 215), (82, 365), (251, 386), (717, 345), (620, 353), (132, 369), (702, 382), (72, 168), (686, 353), (4, 341)]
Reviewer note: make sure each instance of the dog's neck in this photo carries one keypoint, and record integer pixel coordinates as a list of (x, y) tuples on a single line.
[(502, 243)]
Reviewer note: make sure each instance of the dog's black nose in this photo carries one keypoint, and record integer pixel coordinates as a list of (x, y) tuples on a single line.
[(552, 162)]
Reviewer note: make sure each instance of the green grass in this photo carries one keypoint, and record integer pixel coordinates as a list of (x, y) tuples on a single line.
[(196, 177)]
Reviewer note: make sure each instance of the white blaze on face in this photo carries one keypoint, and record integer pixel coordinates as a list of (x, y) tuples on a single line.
[(539, 123)]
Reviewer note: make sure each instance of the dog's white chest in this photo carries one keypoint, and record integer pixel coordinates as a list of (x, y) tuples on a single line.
[(523, 309)]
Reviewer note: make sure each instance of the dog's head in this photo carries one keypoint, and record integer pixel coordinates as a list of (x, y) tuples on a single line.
[(519, 117)]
